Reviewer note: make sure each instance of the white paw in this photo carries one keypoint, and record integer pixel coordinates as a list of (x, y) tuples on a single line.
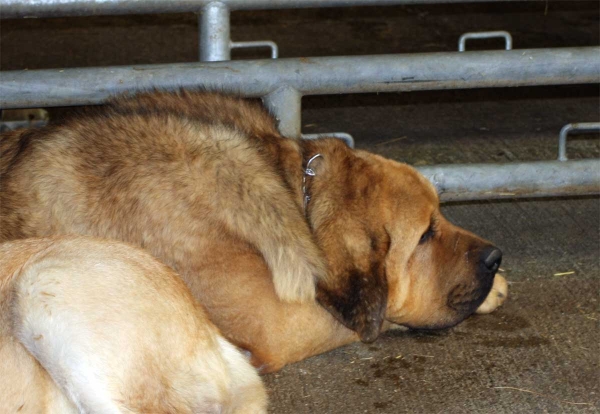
[(496, 297)]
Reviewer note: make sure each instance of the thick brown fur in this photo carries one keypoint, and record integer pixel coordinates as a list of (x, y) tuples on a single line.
[(101, 327), (206, 183)]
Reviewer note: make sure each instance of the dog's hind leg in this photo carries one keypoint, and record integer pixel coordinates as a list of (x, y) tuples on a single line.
[(247, 393), (54, 334)]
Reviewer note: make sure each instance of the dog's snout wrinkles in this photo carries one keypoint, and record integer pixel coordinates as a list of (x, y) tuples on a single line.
[(492, 257)]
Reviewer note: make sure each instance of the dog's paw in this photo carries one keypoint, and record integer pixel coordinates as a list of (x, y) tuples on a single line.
[(496, 297)]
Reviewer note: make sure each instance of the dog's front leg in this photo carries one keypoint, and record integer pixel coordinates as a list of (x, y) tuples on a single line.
[(265, 215)]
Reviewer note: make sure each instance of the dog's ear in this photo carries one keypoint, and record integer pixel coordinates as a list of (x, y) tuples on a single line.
[(358, 301), (348, 225), (357, 295)]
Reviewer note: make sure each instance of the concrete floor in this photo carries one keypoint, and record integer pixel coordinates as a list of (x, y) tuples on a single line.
[(540, 353)]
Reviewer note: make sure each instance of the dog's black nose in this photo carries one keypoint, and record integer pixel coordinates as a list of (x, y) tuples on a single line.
[(492, 257)]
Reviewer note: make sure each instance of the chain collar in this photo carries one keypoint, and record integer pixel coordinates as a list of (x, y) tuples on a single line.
[(308, 172)]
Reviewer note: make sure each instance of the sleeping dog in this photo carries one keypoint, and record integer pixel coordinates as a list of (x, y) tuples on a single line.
[(294, 247)]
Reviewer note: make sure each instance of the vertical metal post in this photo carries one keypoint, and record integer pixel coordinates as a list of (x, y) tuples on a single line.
[(285, 104), (214, 32)]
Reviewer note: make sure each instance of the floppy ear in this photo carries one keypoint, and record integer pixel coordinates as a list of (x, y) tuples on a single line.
[(348, 226), (359, 300)]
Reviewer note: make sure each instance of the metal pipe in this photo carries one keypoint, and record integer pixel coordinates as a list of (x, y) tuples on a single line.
[(514, 180), (63, 8), (285, 104), (581, 127), (214, 34), (309, 76)]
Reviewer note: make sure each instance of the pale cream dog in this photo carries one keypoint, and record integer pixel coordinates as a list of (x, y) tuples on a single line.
[(101, 327)]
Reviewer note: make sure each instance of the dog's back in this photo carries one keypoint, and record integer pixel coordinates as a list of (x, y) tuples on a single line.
[(115, 330)]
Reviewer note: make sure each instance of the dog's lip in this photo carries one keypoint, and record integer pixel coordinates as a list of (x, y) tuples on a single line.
[(477, 297), (473, 305)]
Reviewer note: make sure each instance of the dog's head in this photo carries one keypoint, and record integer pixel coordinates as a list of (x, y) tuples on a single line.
[(392, 254)]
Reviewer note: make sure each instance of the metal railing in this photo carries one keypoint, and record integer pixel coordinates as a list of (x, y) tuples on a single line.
[(456, 182), (282, 82)]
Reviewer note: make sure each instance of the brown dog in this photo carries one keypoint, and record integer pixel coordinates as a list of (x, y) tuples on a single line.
[(101, 327), (207, 184)]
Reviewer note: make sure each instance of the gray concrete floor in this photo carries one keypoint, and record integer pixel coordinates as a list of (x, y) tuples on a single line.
[(540, 352)]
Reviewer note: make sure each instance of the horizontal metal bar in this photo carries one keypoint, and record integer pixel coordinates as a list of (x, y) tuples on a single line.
[(63, 8), (514, 180), (309, 76)]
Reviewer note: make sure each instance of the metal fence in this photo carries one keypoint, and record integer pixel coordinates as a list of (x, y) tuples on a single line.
[(283, 82)]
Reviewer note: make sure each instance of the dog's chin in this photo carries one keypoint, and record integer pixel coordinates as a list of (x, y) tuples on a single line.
[(453, 318), (436, 326)]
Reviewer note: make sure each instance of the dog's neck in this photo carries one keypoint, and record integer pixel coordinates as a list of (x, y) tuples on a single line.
[(308, 174), (297, 161)]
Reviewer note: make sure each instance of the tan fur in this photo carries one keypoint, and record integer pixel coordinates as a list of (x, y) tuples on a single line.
[(101, 327), (206, 184)]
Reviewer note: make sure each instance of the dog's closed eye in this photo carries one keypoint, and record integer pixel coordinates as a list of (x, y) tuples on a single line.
[(429, 233)]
